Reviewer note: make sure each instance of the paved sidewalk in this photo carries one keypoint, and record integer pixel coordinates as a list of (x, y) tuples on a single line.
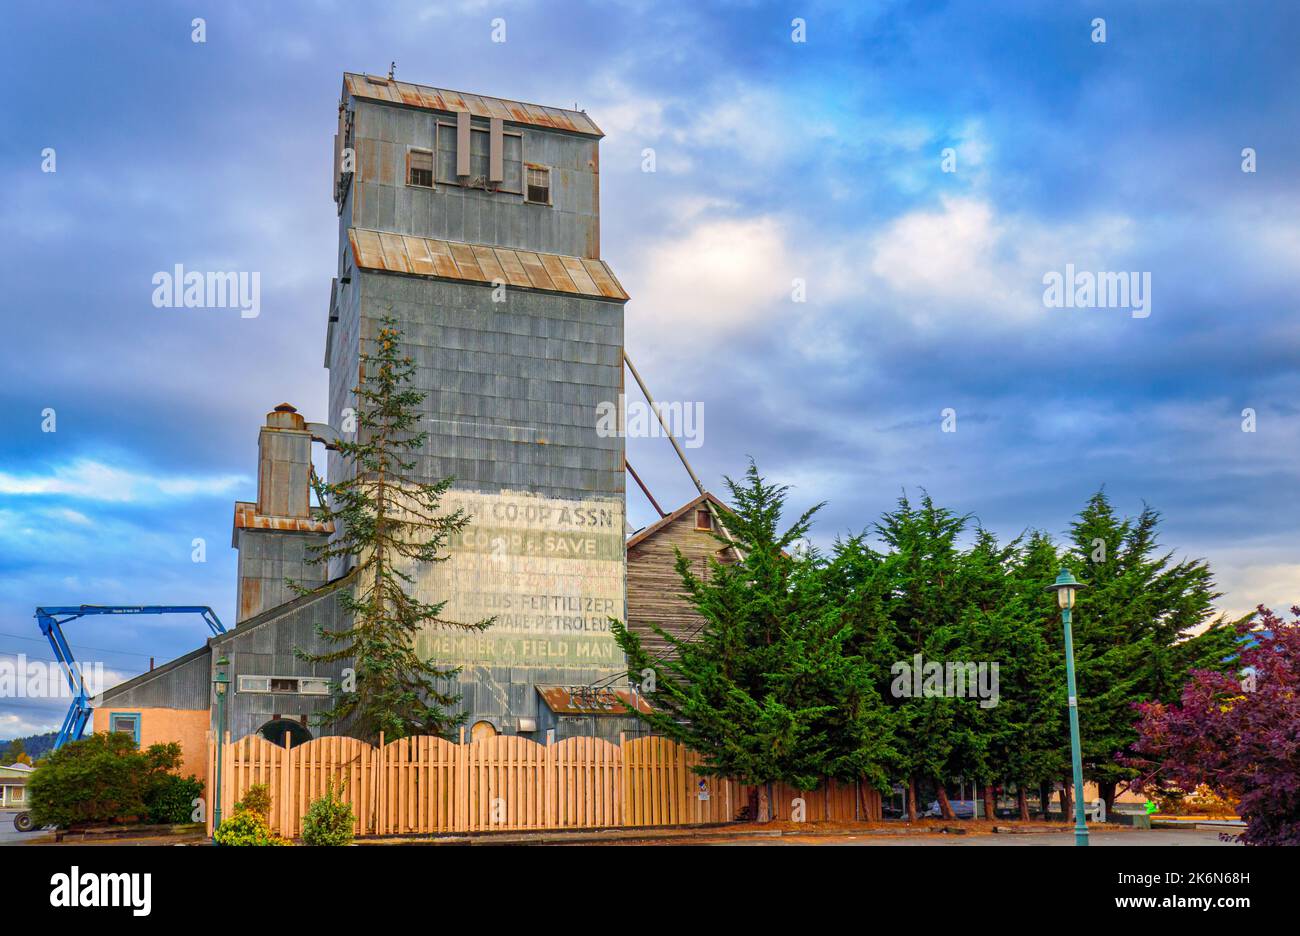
[(786, 833)]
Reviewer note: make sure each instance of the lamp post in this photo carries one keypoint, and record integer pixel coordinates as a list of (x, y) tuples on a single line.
[(1065, 587), (221, 681)]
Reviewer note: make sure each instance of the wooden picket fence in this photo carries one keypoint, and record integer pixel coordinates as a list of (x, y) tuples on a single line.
[(427, 785)]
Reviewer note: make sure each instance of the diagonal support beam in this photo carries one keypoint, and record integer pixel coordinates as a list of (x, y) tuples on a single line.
[(699, 486), (644, 490)]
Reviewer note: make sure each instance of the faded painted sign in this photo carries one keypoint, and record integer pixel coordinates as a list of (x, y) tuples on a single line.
[(550, 571)]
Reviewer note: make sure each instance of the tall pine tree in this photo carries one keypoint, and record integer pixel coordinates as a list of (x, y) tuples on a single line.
[(388, 525)]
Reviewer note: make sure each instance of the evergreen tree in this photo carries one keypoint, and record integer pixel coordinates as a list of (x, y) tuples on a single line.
[(765, 691), (921, 609), (988, 729), (857, 586), (1037, 688), (14, 752), (1131, 628), (388, 525)]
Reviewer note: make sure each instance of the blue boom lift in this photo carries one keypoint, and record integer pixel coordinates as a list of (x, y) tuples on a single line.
[(52, 621)]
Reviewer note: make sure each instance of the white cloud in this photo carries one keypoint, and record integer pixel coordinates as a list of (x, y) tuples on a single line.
[(28, 715), (1250, 575), (94, 480), (944, 253), (719, 275), (734, 120), (739, 120), (932, 266), (35, 720), (942, 263)]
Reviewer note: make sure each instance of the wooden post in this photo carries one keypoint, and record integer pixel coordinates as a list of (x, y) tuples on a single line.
[(286, 788), (461, 785), (368, 773), (381, 788)]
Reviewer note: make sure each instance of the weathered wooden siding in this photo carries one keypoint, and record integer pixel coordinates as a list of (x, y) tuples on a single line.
[(654, 589)]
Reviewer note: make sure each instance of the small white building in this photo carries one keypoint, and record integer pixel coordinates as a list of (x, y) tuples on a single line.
[(13, 786)]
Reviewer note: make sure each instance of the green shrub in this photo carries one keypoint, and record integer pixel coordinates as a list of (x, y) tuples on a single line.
[(171, 799), (246, 828), (329, 820), (257, 800), (100, 778)]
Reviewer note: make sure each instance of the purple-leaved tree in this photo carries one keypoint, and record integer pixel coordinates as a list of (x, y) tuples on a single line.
[(1237, 734)]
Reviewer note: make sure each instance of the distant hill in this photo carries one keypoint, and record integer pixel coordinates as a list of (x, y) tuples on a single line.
[(36, 745)]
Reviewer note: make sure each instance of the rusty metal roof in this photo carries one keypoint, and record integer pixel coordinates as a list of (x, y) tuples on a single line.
[(586, 700), (247, 518), (412, 95), (478, 263)]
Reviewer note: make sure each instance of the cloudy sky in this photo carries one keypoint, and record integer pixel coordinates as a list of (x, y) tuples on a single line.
[(775, 161)]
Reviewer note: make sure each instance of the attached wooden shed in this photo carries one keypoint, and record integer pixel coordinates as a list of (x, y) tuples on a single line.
[(654, 589)]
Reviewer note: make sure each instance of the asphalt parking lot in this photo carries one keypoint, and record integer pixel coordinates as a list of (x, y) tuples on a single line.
[(1128, 838), (8, 834)]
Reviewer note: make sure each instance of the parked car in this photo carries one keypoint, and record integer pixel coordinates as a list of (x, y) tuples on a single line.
[(962, 809)]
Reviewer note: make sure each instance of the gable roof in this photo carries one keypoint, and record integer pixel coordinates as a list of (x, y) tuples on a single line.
[(391, 91), (243, 627), (480, 263), (646, 532), (272, 614), (156, 673)]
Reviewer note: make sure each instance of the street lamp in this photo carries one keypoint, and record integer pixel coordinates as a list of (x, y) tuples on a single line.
[(221, 681), (1065, 587)]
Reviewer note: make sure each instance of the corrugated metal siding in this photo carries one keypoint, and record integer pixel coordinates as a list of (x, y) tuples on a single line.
[(185, 686), (265, 647), (266, 559), (379, 198), (512, 387)]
